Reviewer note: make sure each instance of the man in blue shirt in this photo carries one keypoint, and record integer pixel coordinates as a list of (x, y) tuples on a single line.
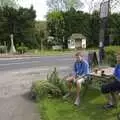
[(112, 87), (80, 73)]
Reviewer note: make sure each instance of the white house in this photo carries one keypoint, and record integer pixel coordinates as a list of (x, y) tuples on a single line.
[(77, 41)]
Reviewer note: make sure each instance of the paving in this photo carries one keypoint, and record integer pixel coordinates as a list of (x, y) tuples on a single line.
[(16, 78), (14, 86)]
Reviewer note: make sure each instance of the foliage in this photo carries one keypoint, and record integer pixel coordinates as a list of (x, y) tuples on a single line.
[(61, 5), (53, 86), (44, 88), (74, 21), (20, 23), (115, 28), (111, 53), (56, 29), (55, 80), (10, 3), (90, 108), (3, 49), (22, 49)]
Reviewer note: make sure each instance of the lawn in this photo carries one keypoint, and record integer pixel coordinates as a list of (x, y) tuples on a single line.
[(50, 52), (90, 108)]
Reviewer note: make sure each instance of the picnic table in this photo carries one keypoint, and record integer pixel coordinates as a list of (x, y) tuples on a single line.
[(100, 78), (97, 79)]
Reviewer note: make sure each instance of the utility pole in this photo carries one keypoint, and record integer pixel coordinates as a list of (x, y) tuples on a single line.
[(103, 35)]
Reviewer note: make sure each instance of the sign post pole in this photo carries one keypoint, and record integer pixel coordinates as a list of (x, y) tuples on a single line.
[(103, 35)]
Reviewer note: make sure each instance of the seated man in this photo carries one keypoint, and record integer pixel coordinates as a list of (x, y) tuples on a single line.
[(112, 87), (81, 70)]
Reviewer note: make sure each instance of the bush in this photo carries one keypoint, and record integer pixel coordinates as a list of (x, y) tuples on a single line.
[(111, 53), (43, 88), (55, 80), (53, 86), (22, 49), (3, 49)]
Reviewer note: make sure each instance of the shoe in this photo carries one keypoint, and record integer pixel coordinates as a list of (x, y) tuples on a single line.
[(66, 95), (108, 106), (77, 101)]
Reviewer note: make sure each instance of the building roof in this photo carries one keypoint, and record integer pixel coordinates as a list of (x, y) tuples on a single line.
[(77, 35)]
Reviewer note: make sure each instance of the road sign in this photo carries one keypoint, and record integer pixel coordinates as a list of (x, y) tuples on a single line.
[(104, 9)]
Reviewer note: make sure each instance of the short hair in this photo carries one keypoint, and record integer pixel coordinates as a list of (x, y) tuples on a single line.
[(79, 54)]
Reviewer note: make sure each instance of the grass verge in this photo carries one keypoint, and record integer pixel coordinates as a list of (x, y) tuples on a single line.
[(90, 108), (50, 52)]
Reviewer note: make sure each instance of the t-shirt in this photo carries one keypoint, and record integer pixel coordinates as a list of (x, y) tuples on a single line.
[(117, 72), (81, 68)]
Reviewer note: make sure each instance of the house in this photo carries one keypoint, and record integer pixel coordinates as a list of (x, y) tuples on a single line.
[(77, 41)]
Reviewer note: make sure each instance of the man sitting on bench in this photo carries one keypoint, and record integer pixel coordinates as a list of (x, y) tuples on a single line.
[(112, 87), (81, 70)]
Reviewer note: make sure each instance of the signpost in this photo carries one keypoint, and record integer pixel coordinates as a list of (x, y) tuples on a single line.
[(103, 35)]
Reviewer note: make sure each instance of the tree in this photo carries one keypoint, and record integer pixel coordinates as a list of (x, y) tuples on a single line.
[(19, 22), (41, 34), (55, 24), (61, 5), (94, 28), (114, 29), (10, 3)]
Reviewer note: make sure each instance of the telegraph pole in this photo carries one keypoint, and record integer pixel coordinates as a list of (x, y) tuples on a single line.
[(103, 35)]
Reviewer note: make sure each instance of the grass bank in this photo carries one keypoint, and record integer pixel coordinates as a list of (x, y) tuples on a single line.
[(90, 108)]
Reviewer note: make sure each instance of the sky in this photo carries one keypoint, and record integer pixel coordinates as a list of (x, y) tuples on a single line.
[(39, 5), (42, 9)]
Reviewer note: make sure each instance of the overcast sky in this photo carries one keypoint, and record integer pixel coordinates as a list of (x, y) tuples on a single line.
[(41, 7)]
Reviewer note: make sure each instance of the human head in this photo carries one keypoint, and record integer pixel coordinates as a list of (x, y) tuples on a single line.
[(79, 56)]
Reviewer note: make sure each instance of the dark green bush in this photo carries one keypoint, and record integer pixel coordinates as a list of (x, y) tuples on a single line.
[(54, 79), (53, 86), (3, 49), (44, 88), (22, 49), (111, 53)]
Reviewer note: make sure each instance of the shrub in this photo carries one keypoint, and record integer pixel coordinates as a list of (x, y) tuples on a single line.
[(111, 52), (22, 49), (43, 88), (53, 86), (54, 79), (3, 49)]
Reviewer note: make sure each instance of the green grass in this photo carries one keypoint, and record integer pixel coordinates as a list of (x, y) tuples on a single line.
[(90, 108), (50, 52)]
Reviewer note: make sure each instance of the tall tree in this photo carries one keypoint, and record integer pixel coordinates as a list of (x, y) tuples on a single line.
[(55, 23), (64, 4), (10, 3), (19, 22)]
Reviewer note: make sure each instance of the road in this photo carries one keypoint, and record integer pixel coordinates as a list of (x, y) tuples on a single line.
[(26, 63), (16, 78)]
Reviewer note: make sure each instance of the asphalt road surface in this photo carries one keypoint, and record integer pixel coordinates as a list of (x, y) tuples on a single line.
[(26, 63), (16, 78)]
